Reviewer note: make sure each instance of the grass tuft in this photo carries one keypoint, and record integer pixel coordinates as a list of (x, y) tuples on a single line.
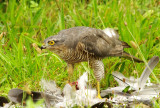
[(25, 24)]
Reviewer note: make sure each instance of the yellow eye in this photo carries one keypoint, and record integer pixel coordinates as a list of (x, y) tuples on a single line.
[(51, 42)]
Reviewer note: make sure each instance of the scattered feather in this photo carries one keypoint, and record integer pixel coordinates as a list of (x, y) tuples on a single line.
[(3, 100), (129, 92), (141, 91), (147, 71), (19, 96)]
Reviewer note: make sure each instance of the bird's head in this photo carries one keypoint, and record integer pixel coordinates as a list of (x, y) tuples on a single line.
[(52, 43)]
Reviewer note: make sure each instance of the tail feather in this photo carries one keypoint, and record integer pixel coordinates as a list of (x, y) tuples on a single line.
[(131, 57), (125, 45)]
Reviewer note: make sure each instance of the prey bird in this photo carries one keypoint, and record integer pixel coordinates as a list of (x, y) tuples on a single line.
[(80, 44)]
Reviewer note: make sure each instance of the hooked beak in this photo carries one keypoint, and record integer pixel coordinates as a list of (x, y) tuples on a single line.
[(43, 47)]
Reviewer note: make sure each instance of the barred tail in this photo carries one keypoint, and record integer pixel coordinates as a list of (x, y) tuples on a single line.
[(131, 57)]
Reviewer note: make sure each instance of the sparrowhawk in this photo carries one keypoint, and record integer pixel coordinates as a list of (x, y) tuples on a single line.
[(80, 44)]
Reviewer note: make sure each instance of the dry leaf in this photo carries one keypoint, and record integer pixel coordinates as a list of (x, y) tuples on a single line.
[(134, 45), (2, 34), (37, 48)]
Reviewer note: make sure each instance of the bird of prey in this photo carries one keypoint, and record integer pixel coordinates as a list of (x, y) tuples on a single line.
[(80, 44)]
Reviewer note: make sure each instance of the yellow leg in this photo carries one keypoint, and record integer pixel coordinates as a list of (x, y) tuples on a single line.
[(70, 68), (98, 89)]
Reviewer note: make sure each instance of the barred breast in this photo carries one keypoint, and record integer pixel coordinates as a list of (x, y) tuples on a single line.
[(74, 56)]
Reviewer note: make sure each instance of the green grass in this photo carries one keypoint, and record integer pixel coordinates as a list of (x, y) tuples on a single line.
[(26, 22)]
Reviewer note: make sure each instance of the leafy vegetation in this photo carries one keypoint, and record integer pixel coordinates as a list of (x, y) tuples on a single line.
[(24, 24)]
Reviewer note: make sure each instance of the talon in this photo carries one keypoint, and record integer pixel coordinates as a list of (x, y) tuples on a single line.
[(99, 96)]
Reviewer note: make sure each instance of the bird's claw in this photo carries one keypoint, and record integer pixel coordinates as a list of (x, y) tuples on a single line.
[(99, 96)]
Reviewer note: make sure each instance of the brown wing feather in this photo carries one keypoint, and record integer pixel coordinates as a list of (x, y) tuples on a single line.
[(96, 46), (94, 40), (76, 34), (96, 43)]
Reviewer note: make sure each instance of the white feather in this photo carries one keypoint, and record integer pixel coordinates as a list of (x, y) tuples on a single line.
[(111, 32), (139, 83), (147, 71), (82, 81), (143, 95), (68, 92), (50, 87), (83, 97)]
